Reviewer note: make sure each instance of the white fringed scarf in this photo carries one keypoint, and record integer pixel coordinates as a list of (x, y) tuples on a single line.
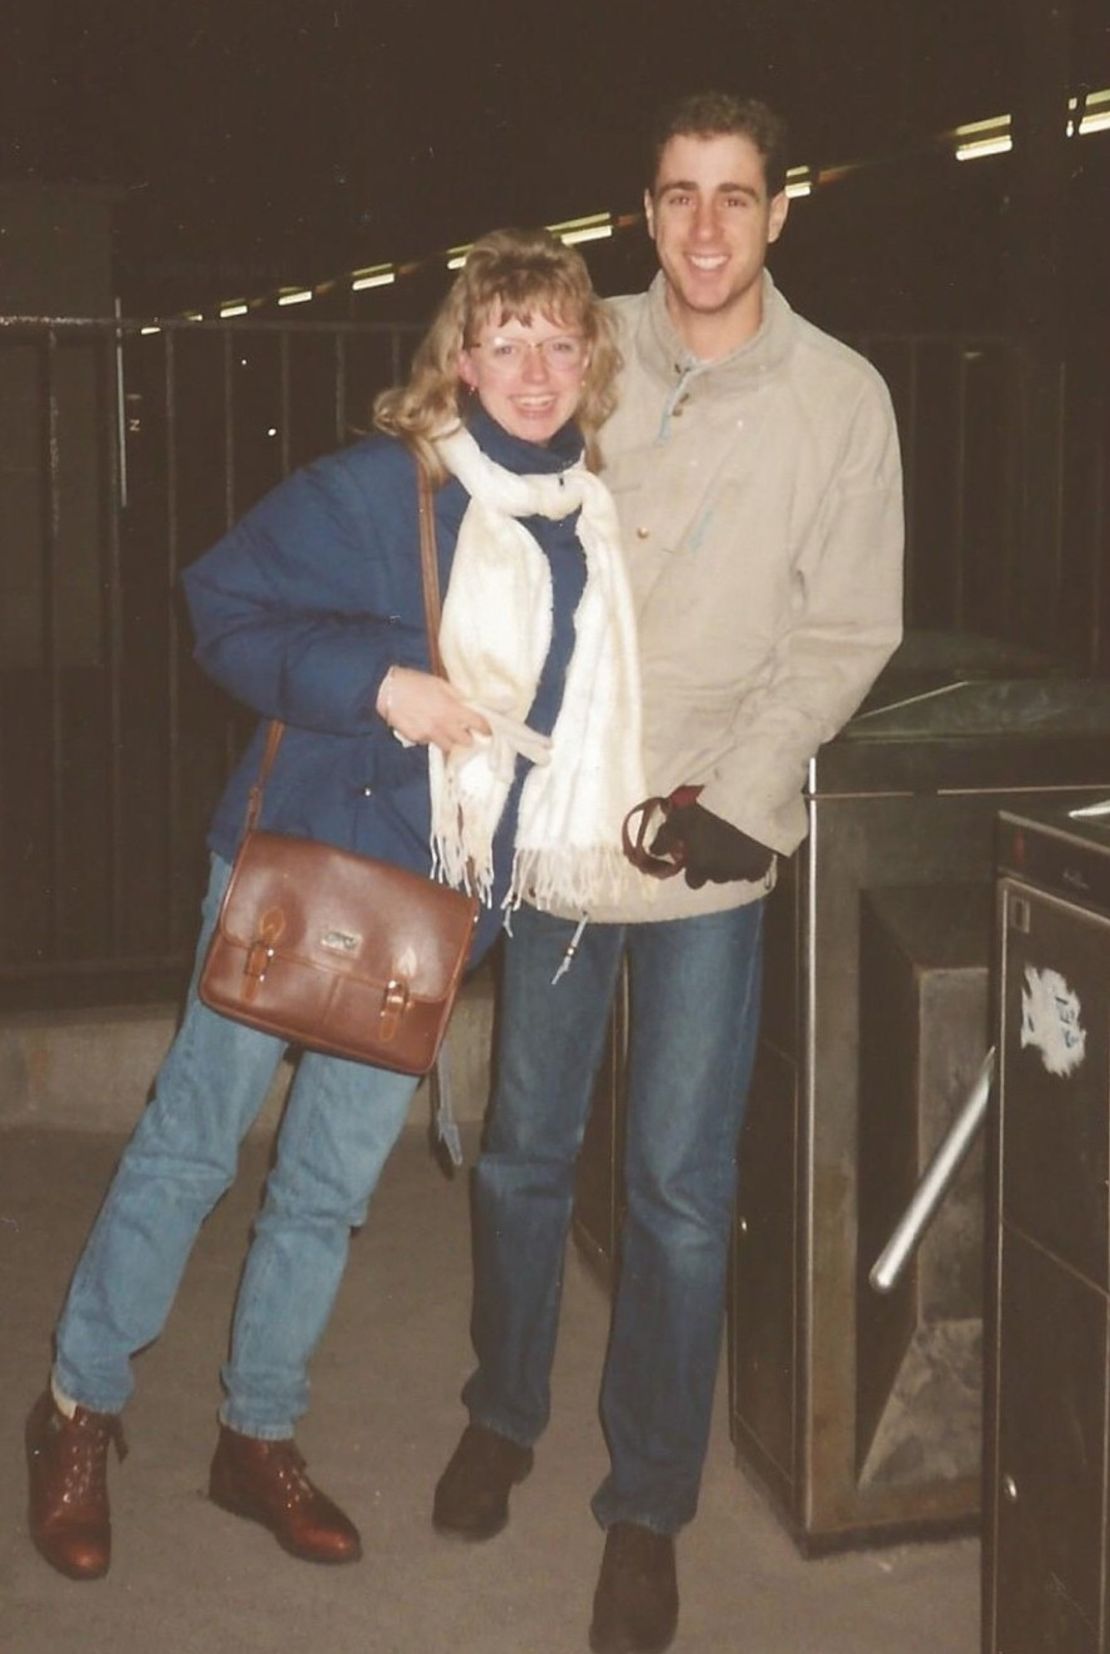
[(494, 638)]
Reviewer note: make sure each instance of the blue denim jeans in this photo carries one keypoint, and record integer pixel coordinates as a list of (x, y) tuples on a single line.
[(340, 1122), (694, 987)]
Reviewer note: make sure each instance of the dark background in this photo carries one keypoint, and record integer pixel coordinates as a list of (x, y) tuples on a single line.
[(258, 145)]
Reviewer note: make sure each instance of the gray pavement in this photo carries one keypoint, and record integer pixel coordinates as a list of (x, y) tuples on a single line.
[(186, 1577)]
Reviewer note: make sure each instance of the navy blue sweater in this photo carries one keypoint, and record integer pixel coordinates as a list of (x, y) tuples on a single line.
[(305, 604)]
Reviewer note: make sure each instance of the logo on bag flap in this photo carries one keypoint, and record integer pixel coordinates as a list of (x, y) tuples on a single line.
[(340, 941)]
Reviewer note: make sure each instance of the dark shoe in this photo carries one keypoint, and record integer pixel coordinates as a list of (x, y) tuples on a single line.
[(636, 1601), (472, 1495), (266, 1482), (67, 1470)]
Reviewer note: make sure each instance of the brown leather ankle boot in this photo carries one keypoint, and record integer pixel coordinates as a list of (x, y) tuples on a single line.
[(67, 1468), (266, 1482)]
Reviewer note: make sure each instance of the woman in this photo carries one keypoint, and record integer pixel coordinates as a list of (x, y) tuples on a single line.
[(514, 774)]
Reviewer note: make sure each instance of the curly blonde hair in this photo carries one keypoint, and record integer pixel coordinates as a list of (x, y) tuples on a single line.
[(510, 275)]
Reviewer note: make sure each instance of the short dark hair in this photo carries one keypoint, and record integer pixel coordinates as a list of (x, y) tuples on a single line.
[(714, 114)]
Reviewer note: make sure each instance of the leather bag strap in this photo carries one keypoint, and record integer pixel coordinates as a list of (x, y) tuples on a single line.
[(269, 753), (429, 566), (429, 576)]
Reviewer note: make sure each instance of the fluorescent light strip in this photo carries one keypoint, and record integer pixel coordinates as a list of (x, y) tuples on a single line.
[(301, 296), (978, 139), (995, 125), (587, 221), (799, 181), (595, 226), (378, 275), (599, 232), (979, 147), (237, 307), (1096, 113)]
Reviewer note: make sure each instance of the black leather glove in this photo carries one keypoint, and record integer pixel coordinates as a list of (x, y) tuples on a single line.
[(712, 851)]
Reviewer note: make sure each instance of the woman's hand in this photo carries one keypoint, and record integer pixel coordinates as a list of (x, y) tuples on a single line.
[(425, 708)]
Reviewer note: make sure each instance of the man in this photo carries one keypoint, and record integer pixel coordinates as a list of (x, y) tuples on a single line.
[(755, 465)]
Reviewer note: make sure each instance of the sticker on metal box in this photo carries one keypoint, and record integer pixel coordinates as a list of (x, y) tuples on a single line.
[(1050, 1020)]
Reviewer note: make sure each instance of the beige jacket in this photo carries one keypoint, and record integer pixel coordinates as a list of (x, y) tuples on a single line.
[(760, 500)]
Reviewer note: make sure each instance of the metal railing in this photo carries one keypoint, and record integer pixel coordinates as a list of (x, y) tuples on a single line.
[(130, 446)]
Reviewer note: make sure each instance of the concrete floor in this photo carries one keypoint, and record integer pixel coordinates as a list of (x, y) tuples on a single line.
[(186, 1577)]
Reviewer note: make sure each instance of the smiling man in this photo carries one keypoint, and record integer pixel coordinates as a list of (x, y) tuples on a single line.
[(712, 214), (754, 461)]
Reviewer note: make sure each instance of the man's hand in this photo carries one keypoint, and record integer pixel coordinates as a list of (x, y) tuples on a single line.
[(425, 708), (710, 850)]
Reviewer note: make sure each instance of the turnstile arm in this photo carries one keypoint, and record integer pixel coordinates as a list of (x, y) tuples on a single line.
[(935, 1183)]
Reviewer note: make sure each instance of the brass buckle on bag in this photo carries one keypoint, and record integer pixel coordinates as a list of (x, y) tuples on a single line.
[(258, 958), (395, 1002)]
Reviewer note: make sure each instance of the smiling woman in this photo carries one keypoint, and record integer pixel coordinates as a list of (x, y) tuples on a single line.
[(523, 333), (527, 375), (512, 774)]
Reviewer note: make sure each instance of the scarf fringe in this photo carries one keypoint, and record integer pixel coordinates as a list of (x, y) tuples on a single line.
[(567, 876)]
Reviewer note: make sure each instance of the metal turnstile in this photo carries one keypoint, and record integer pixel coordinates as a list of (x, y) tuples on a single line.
[(861, 1414), (1046, 1528)]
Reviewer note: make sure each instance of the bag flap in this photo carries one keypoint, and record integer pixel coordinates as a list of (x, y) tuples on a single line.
[(336, 911)]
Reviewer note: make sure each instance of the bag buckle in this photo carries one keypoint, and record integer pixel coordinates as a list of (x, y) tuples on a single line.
[(395, 1002), (258, 958)]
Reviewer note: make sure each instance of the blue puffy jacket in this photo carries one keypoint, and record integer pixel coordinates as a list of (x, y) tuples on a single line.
[(305, 604)]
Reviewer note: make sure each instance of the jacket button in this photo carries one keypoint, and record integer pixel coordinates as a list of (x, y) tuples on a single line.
[(367, 792), (643, 533)]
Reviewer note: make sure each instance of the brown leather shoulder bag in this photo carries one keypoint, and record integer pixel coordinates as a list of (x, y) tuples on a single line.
[(338, 952)]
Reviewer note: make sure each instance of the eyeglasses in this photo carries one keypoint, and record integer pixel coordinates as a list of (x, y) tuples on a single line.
[(563, 354)]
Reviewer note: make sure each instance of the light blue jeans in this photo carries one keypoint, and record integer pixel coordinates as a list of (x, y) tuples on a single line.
[(695, 1009), (340, 1123)]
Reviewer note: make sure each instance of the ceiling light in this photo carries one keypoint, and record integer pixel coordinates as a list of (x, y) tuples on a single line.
[(377, 275), (1096, 113), (593, 227), (980, 147)]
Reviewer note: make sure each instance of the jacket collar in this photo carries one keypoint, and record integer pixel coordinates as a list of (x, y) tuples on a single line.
[(663, 351)]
